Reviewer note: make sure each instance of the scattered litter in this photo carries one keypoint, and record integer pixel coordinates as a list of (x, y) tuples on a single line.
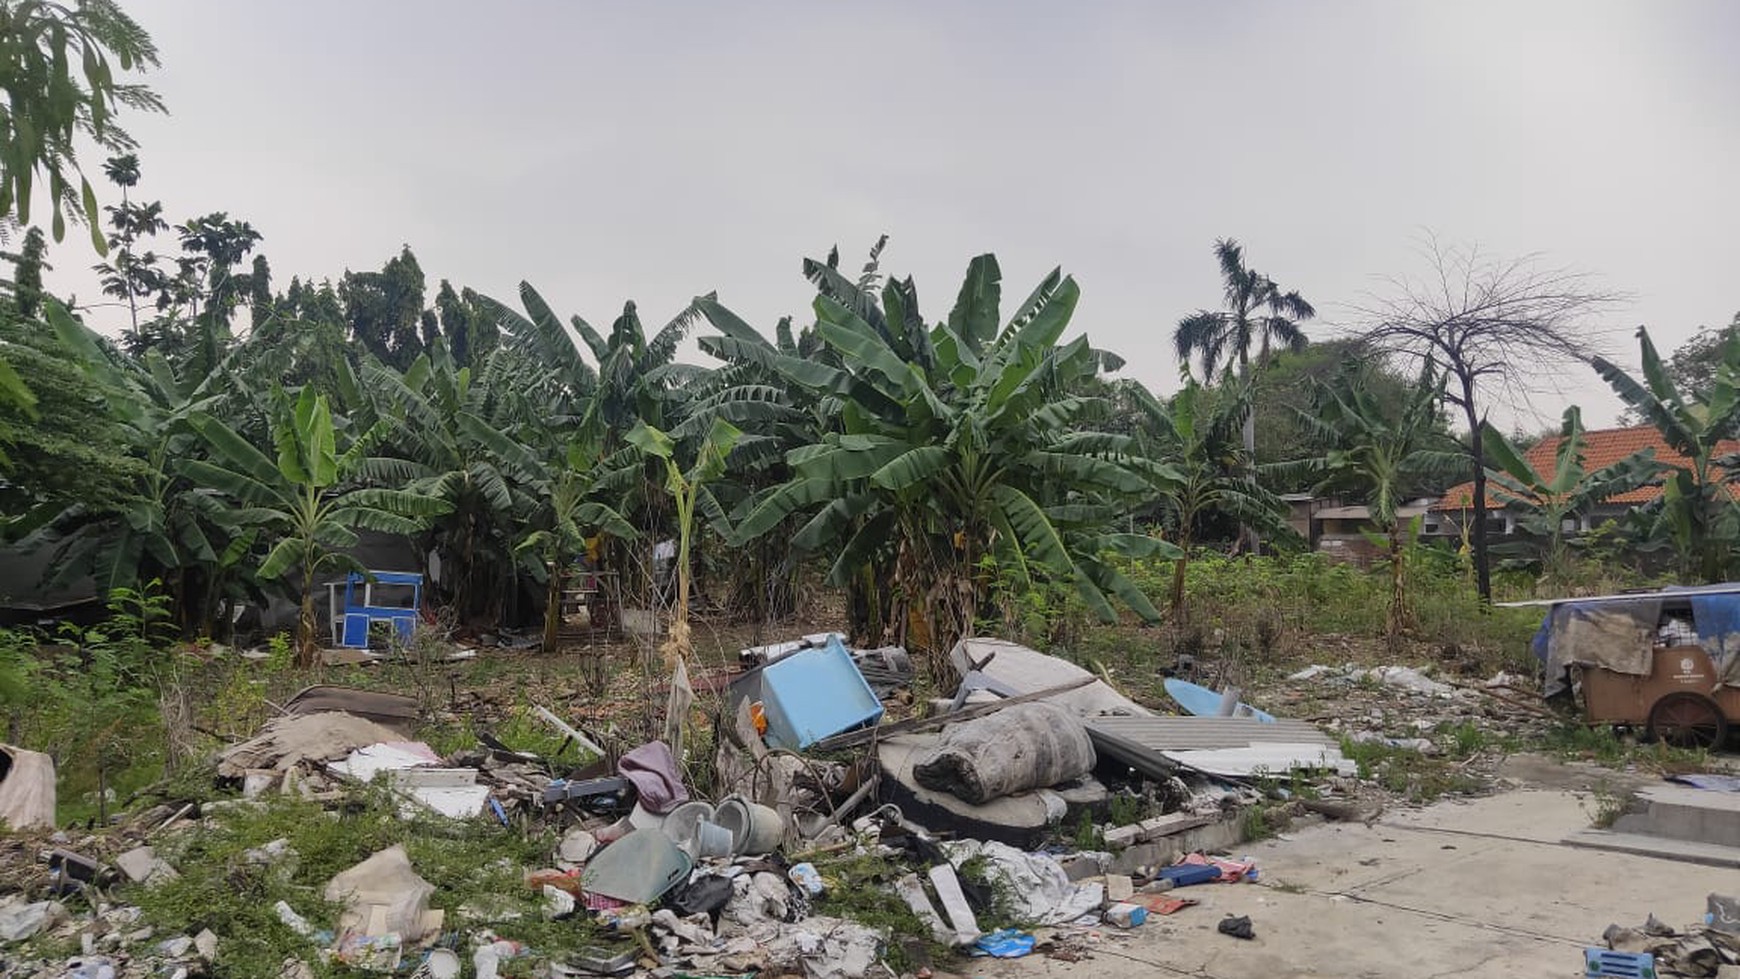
[(1005, 943), (1237, 927), (1037, 885), (1408, 678), (383, 896), (1126, 915), (21, 921)]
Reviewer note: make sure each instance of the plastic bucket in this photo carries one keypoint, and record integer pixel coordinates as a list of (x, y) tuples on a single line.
[(755, 828), (713, 840)]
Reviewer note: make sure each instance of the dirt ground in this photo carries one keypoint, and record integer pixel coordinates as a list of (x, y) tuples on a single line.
[(1481, 887)]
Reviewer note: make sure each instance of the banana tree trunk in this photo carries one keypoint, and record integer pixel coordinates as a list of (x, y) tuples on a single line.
[(1398, 590), (306, 650), (553, 606)]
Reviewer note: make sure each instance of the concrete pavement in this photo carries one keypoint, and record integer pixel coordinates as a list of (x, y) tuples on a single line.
[(1477, 888)]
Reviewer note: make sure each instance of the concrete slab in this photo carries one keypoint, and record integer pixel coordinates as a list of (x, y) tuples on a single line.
[(1681, 813), (1665, 848), (1477, 889)]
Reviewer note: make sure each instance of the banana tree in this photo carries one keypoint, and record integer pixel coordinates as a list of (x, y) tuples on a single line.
[(1548, 498), (1696, 514), (689, 493), (949, 444), (299, 497), (569, 512), (1197, 433), (1382, 456)]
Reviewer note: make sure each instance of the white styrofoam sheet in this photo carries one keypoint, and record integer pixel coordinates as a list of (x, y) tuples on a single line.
[(1263, 759)]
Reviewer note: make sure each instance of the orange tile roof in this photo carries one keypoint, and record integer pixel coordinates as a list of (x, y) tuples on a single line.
[(1601, 448)]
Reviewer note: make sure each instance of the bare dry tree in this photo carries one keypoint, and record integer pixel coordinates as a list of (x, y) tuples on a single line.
[(1499, 329)]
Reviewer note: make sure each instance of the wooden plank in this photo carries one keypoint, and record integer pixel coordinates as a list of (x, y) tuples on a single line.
[(852, 739)]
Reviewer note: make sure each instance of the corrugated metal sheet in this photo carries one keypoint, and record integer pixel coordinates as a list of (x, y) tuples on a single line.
[(1263, 759), (1141, 742), (1188, 733)]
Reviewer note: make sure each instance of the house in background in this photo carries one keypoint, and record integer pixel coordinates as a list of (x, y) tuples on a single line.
[(1601, 448), (1344, 532), (1341, 530)]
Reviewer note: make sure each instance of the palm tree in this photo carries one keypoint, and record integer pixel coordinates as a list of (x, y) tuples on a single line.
[(1258, 315)]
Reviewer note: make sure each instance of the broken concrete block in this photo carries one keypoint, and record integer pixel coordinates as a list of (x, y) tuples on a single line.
[(1080, 866), (21, 921), (1120, 837), (206, 943), (1118, 888), (143, 866)]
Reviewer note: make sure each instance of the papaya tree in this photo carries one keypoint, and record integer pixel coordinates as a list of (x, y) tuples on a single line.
[(301, 497), (952, 448)]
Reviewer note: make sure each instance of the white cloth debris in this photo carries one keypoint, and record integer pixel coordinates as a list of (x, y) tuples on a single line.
[(382, 896), (1038, 885), (1408, 678)]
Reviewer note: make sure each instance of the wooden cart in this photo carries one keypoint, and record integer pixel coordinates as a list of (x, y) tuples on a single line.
[(1680, 701)]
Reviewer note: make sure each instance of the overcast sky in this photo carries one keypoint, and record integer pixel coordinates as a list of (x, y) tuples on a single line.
[(655, 151)]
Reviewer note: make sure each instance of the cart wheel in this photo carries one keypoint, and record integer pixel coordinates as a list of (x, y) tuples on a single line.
[(1688, 720)]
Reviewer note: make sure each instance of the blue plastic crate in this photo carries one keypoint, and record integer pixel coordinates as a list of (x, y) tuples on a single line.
[(1602, 963), (814, 694)]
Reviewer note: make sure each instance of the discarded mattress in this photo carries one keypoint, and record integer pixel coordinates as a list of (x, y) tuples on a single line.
[(387, 709), (1027, 746), (26, 789), (1028, 671), (1021, 820)]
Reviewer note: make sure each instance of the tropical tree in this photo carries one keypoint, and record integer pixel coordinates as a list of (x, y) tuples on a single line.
[(568, 514), (1696, 513), (162, 526), (468, 439), (1381, 456), (1196, 434), (58, 72), (1548, 498), (300, 498), (690, 494), (951, 444), (1258, 316)]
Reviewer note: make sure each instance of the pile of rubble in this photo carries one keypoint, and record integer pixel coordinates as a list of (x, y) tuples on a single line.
[(1710, 948), (963, 809), (1405, 707)]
